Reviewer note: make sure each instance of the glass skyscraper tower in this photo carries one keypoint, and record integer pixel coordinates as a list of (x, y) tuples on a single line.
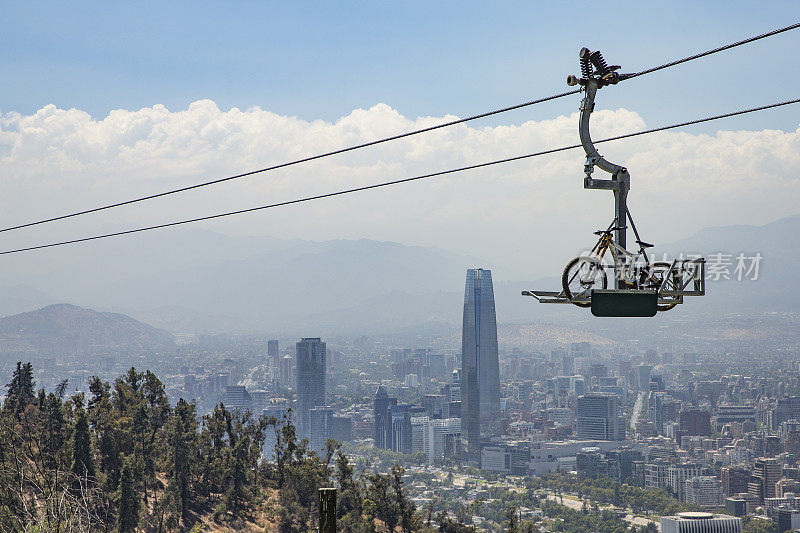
[(480, 368), (310, 373)]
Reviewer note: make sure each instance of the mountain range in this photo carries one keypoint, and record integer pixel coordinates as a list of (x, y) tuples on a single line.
[(201, 281), (65, 329)]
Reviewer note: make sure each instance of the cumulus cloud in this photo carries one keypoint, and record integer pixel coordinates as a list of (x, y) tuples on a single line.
[(530, 215)]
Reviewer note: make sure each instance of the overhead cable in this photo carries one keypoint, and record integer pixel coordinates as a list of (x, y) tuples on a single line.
[(388, 139), (397, 182), (716, 50), (288, 164)]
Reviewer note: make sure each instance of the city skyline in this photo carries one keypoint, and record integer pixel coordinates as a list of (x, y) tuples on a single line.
[(235, 237)]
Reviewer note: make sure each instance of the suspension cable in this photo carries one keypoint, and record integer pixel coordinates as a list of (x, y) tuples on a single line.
[(290, 163), (388, 139), (715, 50), (399, 181)]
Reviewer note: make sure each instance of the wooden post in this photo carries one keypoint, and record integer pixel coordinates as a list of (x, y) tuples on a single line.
[(327, 510)]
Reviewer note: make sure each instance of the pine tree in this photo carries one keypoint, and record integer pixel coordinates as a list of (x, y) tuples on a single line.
[(349, 500), (52, 430), (82, 462), (158, 411), (237, 492), (405, 507), (182, 435), (20, 390), (385, 505), (103, 421), (512, 524), (61, 388), (128, 516)]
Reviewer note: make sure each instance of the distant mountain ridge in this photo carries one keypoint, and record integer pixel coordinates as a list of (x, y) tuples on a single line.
[(200, 281), (66, 328)]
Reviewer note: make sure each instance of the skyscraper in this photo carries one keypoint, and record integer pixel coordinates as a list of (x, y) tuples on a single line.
[(272, 353), (310, 382), (383, 423), (286, 371), (480, 369), (643, 377)]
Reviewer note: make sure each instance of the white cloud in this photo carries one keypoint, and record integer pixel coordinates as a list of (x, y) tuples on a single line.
[(56, 161)]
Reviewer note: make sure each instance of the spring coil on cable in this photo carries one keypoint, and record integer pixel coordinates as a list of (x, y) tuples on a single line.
[(586, 65), (599, 62)]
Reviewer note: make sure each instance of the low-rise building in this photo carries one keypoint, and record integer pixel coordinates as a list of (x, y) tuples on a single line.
[(700, 523)]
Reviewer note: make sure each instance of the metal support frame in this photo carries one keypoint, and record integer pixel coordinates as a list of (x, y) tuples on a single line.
[(685, 277), (620, 181), (690, 275)]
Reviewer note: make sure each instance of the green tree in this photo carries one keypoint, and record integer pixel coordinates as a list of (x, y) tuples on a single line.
[(752, 524), (82, 467), (20, 391), (52, 428), (349, 501), (182, 435), (214, 452), (158, 411), (104, 423), (237, 492), (385, 505), (511, 520), (128, 513), (405, 507), (447, 525)]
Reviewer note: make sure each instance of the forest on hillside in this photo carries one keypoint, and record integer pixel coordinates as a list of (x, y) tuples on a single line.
[(124, 460)]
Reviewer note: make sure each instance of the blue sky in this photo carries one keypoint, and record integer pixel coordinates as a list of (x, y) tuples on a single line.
[(421, 59), (323, 59)]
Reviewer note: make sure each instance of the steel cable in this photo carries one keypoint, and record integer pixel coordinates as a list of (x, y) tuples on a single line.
[(388, 139), (399, 181)]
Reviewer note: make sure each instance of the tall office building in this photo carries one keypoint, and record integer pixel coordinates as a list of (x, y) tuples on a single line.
[(320, 427), (237, 397), (598, 418), (643, 377), (259, 400), (787, 409), (310, 382), (272, 353), (282, 414), (383, 422), (734, 480), (766, 472), (441, 438), (480, 368), (342, 428), (567, 365), (401, 431), (695, 422), (285, 373), (677, 476), (703, 491)]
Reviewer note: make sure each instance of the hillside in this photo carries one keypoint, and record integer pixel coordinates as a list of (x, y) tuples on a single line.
[(64, 328)]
